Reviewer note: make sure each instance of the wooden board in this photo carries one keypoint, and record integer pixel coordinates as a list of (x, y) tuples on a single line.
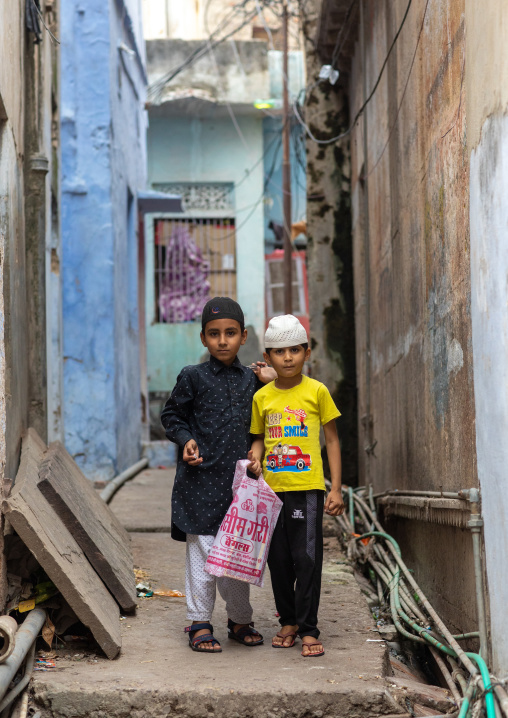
[(41, 529), (100, 535)]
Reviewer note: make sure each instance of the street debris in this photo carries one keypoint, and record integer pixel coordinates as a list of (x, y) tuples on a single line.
[(48, 631), (41, 529), (170, 593), (144, 590), (42, 665)]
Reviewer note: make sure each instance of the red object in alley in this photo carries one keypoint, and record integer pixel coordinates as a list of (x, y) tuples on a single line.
[(274, 273)]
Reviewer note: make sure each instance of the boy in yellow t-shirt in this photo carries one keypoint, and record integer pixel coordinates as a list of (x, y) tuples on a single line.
[(287, 415)]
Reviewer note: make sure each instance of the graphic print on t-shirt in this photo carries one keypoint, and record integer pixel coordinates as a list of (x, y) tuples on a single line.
[(288, 458), (290, 421), (300, 414)]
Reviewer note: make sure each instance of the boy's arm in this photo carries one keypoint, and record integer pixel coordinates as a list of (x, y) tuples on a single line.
[(255, 454), (264, 373), (174, 418), (334, 504)]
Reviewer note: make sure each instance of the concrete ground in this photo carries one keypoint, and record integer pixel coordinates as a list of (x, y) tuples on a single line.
[(158, 675)]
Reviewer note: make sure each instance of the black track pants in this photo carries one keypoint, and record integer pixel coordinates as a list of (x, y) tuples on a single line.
[(296, 559)]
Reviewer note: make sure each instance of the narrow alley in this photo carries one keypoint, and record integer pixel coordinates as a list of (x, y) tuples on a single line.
[(253, 325), (151, 677)]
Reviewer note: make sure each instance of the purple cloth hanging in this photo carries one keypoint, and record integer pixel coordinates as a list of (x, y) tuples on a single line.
[(185, 288)]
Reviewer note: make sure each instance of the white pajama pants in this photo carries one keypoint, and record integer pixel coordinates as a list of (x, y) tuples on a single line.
[(200, 586)]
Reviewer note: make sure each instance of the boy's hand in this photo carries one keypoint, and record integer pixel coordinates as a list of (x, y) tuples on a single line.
[(263, 372), (191, 453), (255, 464), (334, 504)]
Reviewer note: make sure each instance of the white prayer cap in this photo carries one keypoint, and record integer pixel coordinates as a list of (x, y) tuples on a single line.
[(285, 331)]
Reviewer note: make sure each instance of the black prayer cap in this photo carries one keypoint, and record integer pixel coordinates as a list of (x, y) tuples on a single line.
[(222, 308)]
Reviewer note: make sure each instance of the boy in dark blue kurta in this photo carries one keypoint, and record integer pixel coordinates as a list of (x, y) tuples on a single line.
[(208, 415)]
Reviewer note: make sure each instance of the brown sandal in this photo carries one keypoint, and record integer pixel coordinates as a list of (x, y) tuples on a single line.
[(312, 655), (284, 636)]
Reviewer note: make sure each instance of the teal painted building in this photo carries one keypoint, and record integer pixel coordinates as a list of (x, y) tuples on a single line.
[(209, 143)]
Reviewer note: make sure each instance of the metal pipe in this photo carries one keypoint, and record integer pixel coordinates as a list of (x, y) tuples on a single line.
[(502, 697), (12, 695), (364, 174), (487, 686), (458, 674), (8, 628), (446, 675), (429, 494), (286, 170), (426, 603), (351, 507), (372, 503), (379, 589), (25, 636), (402, 586), (464, 708), (23, 708), (475, 523), (112, 486)]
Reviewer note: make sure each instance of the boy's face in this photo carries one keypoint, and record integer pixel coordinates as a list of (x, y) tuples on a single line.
[(223, 338), (287, 362)]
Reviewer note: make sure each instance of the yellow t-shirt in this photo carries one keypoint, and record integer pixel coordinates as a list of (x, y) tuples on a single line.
[(291, 420)]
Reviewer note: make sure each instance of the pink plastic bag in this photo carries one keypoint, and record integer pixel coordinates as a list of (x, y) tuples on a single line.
[(241, 546)]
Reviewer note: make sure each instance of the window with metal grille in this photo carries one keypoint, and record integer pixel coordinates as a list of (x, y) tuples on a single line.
[(195, 259)]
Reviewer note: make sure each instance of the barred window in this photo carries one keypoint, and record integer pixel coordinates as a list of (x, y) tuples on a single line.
[(195, 253), (195, 260)]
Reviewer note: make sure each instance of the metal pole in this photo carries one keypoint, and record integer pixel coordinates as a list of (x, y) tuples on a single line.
[(367, 418), (25, 636), (286, 171)]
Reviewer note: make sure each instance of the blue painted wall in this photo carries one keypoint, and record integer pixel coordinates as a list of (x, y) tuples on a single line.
[(103, 166)]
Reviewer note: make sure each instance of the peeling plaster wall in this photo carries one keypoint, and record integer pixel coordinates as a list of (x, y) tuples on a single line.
[(487, 111), (412, 280), (103, 166)]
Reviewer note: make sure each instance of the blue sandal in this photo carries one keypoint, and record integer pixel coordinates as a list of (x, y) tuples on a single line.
[(195, 643), (242, 633)]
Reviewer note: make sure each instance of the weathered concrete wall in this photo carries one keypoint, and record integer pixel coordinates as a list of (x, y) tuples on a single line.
[(329, 250), (103, 166), (229, 73), (410, 189), (27, 72), (487, 112)]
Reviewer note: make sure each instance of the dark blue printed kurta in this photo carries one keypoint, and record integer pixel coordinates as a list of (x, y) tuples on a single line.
[(211, 403)]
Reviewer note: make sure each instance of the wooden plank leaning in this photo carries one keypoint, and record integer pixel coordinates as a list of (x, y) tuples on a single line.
[(100, 535), (42, 531)]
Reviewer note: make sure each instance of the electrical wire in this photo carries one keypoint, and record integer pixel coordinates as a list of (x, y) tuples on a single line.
[(260, 199), (343, 35), (364, 176), (410, 606), (54, 39), (156, 87), (344, 134)]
